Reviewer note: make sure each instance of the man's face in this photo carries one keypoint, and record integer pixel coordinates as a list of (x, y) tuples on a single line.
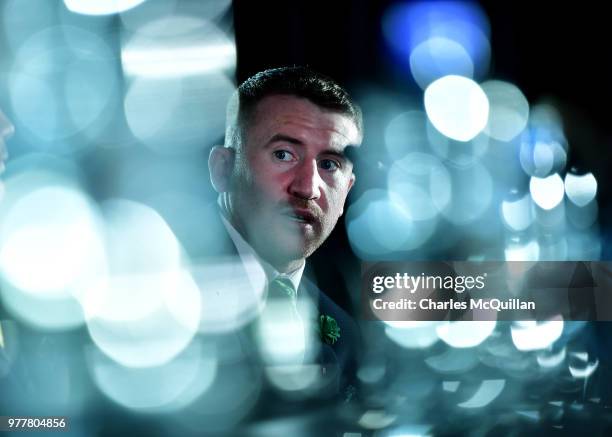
[(291, 177), (6, 130)]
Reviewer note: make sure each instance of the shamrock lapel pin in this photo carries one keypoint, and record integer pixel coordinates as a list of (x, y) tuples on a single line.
[(329, 331)]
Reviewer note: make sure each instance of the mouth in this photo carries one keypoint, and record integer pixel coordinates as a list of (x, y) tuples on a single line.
[(302, 217)]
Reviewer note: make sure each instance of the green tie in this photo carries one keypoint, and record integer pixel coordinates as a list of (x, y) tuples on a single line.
[(280, 327), (282, 288)]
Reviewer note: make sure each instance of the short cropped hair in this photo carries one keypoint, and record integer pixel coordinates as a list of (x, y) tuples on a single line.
[(295, 81)]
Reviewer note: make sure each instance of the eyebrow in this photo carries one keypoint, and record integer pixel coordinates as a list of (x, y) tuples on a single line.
[(285, 138), (292, 140)]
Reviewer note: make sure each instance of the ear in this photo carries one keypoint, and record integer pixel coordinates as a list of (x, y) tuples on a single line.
[(350, 185), (351, 182), (220, 166)]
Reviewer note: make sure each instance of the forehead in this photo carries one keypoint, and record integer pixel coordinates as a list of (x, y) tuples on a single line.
[(298, 116)]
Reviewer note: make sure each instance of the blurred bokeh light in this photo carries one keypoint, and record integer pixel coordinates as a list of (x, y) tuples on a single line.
[(100, 7), (455, 36), (547, 192), (457, 107), (508, 112)]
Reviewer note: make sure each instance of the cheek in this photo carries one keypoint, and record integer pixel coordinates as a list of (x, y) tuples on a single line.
[(267, 185), (335, 199), (248, 174), (272, 181), (268, 188)]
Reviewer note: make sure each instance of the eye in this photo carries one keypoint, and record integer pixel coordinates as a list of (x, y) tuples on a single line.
[(283, 155), (329, 165)]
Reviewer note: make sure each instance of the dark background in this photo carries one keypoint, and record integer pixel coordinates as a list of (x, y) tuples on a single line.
[(558, 52)]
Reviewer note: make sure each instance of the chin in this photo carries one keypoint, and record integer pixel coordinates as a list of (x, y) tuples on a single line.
[(304, 251), (293, 252), (282, 243)]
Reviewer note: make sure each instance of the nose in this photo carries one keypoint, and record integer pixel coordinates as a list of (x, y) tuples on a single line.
[(306, 183)]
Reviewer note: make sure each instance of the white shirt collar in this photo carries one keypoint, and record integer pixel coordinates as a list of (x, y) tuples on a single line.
[(254, 265)]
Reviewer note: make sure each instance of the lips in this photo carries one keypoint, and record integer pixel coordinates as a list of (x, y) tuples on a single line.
[(302, 216)]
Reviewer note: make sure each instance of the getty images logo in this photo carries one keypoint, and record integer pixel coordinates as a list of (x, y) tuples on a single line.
[(412, 283)]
